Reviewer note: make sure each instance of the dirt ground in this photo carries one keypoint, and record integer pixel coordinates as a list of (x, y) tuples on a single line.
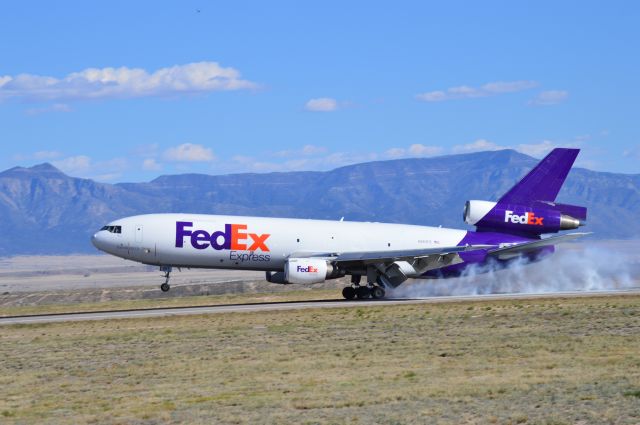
[(77, 272)]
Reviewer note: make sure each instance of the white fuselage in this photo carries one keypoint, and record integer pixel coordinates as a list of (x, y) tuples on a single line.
[(256, 243)]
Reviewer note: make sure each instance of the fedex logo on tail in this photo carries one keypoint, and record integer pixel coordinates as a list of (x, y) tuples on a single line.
[(308, 269), (233, 237), (526, 218)]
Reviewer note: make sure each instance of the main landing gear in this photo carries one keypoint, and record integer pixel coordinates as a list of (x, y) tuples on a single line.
[(167, 274), (362, 292)]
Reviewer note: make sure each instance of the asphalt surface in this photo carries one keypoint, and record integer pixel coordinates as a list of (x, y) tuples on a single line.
[(298, 305)]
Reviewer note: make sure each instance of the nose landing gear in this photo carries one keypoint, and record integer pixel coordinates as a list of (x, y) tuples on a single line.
[(167, 274)]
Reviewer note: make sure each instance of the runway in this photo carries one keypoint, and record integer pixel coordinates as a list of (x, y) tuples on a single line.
[(297, 305)]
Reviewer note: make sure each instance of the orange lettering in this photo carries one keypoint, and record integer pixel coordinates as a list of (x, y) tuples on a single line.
[(258, 242), (236, 236)]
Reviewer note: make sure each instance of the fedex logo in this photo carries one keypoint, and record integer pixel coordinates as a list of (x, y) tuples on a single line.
[(308, 269), (234, 237), (526, 218)]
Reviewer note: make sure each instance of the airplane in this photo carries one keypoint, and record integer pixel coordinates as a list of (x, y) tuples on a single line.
[(308, 251)]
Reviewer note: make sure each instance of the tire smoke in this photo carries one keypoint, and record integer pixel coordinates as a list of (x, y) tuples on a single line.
[(572, 268)]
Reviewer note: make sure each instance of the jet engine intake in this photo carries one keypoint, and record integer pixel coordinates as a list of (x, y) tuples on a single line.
[(310, 270)]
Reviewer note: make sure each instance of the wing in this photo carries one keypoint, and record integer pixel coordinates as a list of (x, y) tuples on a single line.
[(394, 267), (368, 257), (515, 250)]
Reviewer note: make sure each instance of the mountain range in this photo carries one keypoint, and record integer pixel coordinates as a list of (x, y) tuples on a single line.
[(45, 211)]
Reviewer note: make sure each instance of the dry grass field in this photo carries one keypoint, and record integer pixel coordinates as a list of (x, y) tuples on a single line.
[(540, 361), (173, 300)]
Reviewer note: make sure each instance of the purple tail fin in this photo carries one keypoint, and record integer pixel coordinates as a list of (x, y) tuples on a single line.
[(543, 182), (529, 208)]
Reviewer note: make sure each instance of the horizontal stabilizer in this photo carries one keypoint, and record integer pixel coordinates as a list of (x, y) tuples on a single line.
[(522, 248)]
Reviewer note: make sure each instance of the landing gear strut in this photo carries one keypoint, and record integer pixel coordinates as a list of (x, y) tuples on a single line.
[(167, 274)]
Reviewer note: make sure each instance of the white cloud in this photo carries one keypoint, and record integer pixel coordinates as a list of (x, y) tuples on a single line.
[(56, 107), (432, 96), (108, 177), (318, 158), (189, 152), (313, 150), (316, 162), (321, 104), (478, 145), (146, 151), (538, 149), (306, 150), (248, 163), (508, 86), (466, 92), (415, 150), (84, 166), (549, 97), (396, 153), (582, 138), (632, 153), (80, 164), (123, 82), (151, 164), (418, 149)]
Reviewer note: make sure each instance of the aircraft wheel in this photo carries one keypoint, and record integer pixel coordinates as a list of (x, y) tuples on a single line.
[(362, 292), (349, 292), (377, 292), (165, 287)]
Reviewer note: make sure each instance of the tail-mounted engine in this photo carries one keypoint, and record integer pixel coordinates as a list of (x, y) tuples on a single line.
[(537, 218)]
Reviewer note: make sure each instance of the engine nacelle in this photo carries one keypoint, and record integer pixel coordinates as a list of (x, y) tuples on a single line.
[(474, 211), (517, 218), (305, 270)]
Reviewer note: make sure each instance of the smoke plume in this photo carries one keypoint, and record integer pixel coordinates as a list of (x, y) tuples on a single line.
[(571, 268)]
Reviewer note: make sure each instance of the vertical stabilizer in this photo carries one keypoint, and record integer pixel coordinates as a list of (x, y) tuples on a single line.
[(543, 182)]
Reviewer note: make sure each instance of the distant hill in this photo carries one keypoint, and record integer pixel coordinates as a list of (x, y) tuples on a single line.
[(45, 211)]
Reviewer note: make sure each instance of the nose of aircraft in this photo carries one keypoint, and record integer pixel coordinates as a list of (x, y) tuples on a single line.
[(96, 240)]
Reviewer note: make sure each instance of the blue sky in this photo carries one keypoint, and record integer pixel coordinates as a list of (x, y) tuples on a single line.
[(127, 91)]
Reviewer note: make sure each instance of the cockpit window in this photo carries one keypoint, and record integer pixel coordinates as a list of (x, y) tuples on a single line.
[(112, 229)]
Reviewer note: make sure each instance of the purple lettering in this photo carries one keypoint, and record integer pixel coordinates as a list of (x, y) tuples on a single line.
[(226, 238), (198, 237), (181, 232), (232, 238)]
